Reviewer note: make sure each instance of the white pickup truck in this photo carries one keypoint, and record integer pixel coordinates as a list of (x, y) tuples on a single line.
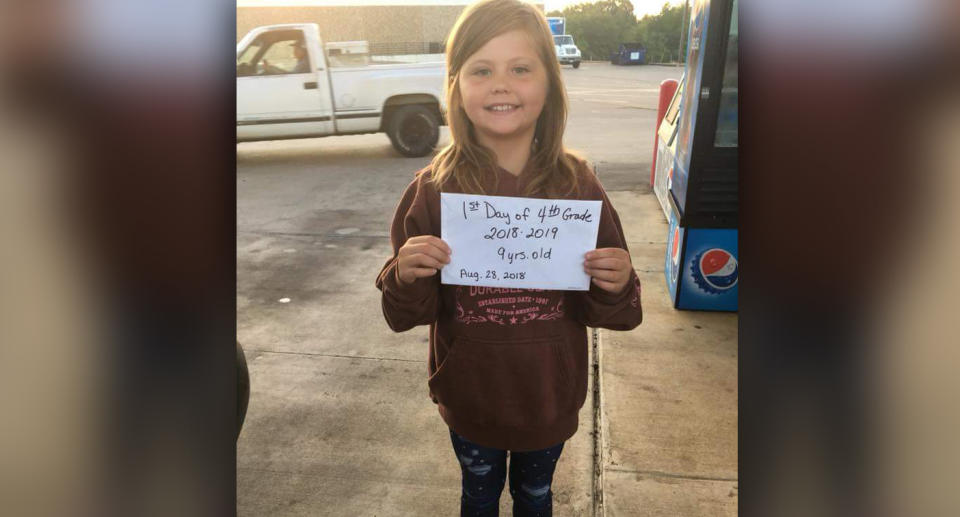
[(287, 88)]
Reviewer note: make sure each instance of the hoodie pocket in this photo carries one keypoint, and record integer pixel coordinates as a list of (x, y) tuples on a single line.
[(506, 383)]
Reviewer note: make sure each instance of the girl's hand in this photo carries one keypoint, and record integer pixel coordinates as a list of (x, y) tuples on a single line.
[(421, 256), (609, 267)]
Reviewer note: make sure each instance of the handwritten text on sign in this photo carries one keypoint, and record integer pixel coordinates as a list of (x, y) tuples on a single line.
[(517, 242)]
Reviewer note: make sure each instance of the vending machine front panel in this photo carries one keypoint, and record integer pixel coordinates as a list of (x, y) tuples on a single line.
[(690, 102), (672, 262)]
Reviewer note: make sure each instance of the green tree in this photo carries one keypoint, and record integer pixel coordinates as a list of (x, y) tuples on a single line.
[(662, 35), (600, 27)]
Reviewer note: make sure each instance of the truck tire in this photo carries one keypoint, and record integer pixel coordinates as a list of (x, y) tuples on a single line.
[(413, 130), (576, 64)]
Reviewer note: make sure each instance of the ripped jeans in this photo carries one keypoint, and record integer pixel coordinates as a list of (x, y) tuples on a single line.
[(485, 469)]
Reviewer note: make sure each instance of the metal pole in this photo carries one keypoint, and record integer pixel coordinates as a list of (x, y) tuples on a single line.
[(683, 33)]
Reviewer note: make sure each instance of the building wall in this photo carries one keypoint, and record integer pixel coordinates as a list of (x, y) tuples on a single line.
[(376, 24)]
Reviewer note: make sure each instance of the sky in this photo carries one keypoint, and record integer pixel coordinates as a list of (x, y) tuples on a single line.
[(641, 7)]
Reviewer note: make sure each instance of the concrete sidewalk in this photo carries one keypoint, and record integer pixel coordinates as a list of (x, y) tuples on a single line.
[(668, 393), (340, 422)]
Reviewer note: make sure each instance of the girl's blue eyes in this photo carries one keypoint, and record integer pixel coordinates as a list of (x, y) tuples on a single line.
[(483, 72)]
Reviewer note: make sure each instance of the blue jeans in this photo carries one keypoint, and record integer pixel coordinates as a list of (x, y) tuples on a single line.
[(485, 469)]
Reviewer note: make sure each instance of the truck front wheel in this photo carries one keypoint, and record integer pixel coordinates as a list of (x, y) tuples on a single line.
[(413, 130), (576, 64)]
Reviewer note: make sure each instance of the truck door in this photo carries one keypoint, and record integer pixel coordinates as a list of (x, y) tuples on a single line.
[(282, 87)]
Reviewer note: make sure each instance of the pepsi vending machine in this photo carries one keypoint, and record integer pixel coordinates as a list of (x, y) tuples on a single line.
[(696, 173)]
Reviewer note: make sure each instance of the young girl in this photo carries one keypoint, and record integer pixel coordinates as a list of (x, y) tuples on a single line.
[(507, 367)]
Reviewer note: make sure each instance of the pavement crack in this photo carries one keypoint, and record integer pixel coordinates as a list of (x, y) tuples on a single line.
[(674, 475), (598, 509), (313, 354)]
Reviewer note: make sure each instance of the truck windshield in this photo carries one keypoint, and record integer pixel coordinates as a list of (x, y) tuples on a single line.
[(275, 53), (248, 54), (563, 40)]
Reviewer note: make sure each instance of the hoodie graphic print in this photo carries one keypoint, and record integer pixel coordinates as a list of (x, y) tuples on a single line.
[(503, 306)]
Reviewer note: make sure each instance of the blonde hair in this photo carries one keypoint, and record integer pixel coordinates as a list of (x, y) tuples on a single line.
[(465, 160)]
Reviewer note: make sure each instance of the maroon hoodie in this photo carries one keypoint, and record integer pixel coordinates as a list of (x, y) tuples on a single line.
[(507, 367)]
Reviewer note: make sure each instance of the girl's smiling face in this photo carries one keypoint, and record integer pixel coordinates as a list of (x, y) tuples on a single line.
[(503, 87)]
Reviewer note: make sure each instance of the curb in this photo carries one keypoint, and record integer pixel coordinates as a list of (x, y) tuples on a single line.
[(598, 508)]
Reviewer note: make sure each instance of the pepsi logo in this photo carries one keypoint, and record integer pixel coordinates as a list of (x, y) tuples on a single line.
[(675, 252), (715, 270), (675, 255)]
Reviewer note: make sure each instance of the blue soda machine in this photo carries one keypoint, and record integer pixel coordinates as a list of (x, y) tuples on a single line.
[(695, 178)]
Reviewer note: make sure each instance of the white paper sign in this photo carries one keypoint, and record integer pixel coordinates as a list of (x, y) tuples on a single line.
[(499, 241)]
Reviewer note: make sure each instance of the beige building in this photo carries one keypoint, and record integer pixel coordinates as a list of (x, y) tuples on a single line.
[(391, 26)]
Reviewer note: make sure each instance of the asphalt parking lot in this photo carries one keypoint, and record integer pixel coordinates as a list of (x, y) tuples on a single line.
[(339, 422), (312, 212)]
